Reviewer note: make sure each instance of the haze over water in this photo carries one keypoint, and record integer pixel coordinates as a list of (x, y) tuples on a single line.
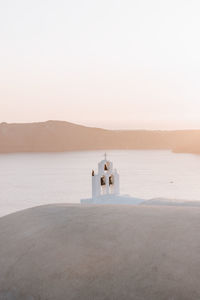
[(29, 180)]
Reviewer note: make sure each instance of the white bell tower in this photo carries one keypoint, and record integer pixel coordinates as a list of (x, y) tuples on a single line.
[(105, 187), (106, 181)]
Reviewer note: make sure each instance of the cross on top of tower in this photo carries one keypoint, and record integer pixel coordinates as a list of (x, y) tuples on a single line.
[(105, 155)]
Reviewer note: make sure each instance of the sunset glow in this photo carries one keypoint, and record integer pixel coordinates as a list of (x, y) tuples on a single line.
[(113, 64)]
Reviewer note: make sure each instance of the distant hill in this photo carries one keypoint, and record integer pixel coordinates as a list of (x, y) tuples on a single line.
[(58, 136)]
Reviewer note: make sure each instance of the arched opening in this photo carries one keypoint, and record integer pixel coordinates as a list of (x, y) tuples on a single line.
[(103, 185), (111, 180), (103, 180), (106, 166), (111, 184)]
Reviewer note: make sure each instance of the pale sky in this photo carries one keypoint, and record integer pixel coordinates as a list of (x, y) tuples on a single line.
[(106, 63)]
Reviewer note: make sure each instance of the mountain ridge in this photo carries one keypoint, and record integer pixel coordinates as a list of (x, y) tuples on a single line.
[(61, 136)]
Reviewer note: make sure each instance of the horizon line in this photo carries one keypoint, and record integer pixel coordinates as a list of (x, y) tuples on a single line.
[(99, 127)]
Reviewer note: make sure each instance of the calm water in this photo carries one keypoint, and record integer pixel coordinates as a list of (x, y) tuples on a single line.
[(28, 180)]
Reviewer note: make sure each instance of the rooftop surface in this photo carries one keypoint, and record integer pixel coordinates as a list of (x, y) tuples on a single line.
[(100, 252)]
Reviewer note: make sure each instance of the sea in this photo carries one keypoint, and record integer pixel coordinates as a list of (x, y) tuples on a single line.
[(32, 179)]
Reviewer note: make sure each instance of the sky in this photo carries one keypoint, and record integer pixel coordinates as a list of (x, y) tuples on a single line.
[(108, 63)]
